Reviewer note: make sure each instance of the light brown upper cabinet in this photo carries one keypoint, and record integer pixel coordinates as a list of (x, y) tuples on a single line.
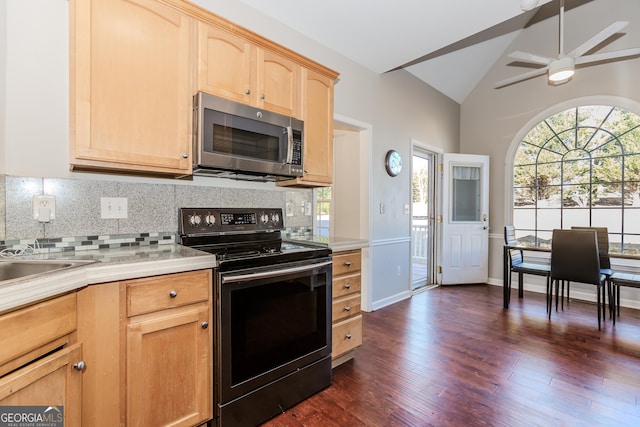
[(231, 67), (317, 113), (131, 97)]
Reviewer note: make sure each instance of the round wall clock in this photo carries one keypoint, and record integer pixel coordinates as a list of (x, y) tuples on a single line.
[(393, 163)]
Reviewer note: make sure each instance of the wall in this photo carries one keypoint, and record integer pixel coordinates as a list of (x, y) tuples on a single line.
[(396, 105), (494, 120)]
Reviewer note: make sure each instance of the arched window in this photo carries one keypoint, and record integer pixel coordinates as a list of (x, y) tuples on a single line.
[(581, 167)]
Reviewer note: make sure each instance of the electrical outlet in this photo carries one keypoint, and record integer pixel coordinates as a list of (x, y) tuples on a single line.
[(44, 208), (113, 207), (398, 271)]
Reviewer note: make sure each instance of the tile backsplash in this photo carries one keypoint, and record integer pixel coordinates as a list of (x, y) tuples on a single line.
[(152, 209)]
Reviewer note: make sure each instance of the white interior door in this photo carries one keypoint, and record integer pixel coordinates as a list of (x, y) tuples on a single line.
[(465, 219)]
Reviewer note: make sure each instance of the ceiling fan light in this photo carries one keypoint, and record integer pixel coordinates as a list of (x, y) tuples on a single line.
[(562, 69)]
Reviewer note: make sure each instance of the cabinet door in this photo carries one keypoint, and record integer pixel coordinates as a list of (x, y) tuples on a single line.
[(51, 381), (130, 86), (318, 127), (226, 65), (169, 368), (279, 83), (317, 113)]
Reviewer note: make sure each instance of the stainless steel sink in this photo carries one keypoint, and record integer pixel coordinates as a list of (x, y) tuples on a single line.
[(13, 269)]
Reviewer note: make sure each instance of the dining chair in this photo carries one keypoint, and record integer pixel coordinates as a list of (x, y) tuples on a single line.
[(602, 235), (575, 258), (622, 279), (518, 265)]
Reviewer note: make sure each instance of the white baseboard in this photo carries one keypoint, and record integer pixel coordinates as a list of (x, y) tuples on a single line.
[(377, 305), (577, 294)]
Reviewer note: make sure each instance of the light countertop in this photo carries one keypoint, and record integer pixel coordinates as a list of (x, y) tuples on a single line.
[(100, 266), (336, 243)]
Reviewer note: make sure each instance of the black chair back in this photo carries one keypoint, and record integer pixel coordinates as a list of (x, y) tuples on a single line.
[(575, 257), (602, 234)]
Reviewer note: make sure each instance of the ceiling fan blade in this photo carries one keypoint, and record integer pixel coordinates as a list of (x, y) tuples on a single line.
[(520, 77), (530, 57), (598, 38), (608, 55)]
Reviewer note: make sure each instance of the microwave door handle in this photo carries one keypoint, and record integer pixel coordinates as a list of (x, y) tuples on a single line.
[(289, 145)]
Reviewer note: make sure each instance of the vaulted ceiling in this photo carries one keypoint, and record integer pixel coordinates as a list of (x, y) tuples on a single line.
[(450, 45)]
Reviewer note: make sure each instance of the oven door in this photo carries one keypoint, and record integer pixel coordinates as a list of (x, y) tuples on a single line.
[(271, 322)]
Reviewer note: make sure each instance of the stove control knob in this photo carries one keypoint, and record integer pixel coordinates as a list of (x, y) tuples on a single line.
[(195, 220), (210, 220), (264, 218), (275, 218)]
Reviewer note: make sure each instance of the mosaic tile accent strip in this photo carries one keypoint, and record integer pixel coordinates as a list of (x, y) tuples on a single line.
[(298, 232), (85, 243)]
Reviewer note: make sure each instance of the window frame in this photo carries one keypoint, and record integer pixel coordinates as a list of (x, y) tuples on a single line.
[(611, 102)]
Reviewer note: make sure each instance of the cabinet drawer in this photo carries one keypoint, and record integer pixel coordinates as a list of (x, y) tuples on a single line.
[(345, 307), (345, 285), (32, 327), (347, 335), (168, 291), (346, 262)]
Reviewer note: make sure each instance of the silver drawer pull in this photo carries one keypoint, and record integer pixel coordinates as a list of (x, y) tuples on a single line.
[(347, 308), (204, 325), (173, 294), (348, 286), (348, 263), (348, 336), (79, 366)]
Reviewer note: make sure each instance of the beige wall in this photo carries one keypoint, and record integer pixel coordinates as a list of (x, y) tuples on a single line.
[(494, 120)]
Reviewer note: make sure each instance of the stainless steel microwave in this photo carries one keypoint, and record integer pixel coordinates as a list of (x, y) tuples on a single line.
[(238, 141)]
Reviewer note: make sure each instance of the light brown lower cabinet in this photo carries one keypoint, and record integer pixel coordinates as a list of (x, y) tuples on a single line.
[(347, 317), (41, 360), (149, 342)]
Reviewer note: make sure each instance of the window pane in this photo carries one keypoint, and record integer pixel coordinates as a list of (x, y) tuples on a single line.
[(524, 196), (548, 219), (577, 217), (610, 218), (575, 196), (577, 171), (549, 197), (607, 195), (465, 197), (632, 220), (524, 218)]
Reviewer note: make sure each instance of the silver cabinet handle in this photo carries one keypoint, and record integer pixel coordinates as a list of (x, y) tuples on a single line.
[(347, 309), (262, 96), (348, 285), (204, 325), (185, 155), (348, 336), (79, 366), (173, 294), (347, 264), (247, 91)]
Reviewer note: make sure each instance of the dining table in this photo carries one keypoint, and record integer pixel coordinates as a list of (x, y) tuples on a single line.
[(538, 246)]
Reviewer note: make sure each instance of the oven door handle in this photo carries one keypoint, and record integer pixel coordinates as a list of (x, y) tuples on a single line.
[(272, 273)]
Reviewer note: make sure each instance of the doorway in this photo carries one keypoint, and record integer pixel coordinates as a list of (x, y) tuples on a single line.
[(423, 212)]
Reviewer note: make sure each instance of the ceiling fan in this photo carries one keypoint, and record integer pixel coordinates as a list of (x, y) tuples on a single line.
[(561, 69)]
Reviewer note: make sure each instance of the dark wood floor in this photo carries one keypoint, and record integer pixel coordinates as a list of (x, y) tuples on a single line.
[(452, 356)]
